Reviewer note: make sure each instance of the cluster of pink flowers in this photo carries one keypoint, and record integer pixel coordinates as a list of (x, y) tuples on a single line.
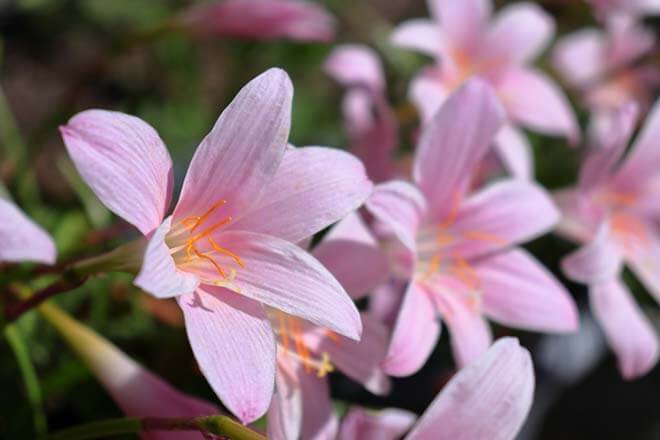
[(268, 316)]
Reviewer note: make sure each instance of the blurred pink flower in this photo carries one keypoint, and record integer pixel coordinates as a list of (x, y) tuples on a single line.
[(22, 239), (604, 67), (489, 399), (369, 120), (301, 406), (459, 251), (228, 249), (607, 8), (261, 20), (137, 391), (465, 42), (614, 212)]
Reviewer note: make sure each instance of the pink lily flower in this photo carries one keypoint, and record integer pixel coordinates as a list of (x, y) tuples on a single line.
[(459, 251), (607, 8), (228, 248), (261, 20), (136, 390), (489, 399), (614, 212), (604, 67), (301, 406), (22, 239), (369, 120), (464, 44)]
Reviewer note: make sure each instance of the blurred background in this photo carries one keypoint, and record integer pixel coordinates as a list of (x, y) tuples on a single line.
[(58, 57)]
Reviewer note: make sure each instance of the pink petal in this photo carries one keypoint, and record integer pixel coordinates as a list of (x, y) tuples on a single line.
[(313, 188), (643, 161), (503, 214), (535, 101), (239, 157), (234, 345), (518, 34), (319, 418), (124, 162), (515, 152), (401, 206), (596, 261), (490, 399), (518, 292), (386, 424), (643, 258), (385, 302), (261, 20), (358, 360), (415, 333), (627, 330), (428, 92), (355, 65), (285, 413), (22, 239), (470, 333), (581, 56), (159, 274), (462, 21), (283, 276), (454, 141), (420, 35), (353, 256)]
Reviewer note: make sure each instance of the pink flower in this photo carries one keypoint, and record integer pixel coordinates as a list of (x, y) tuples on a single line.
[(369, 120), (137, 391), (459, 251), (489, 399), (301, 406), (261, 20), (465, 43), (605, 8), (228, 248), (604, 67), (614, 212), (22, 239)]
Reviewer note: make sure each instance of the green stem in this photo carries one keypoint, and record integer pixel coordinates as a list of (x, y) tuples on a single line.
[(29, 377), (217, 425)]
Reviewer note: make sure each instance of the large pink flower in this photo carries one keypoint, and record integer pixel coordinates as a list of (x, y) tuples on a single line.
[(369, 120), (301, 406), (604, 66), (261, 20), (228, 248), (464, 44), (614, 211), (490, 399), (459, 250), (21, 238)]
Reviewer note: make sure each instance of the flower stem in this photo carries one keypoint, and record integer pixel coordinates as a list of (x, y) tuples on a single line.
[(217, 425)]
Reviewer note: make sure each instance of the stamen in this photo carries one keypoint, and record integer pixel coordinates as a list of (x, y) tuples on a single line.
[(206, 215), (326, 366), (453, 210), (334, 337), (229, 253), (284, 334), (212, 261), (484, 236)]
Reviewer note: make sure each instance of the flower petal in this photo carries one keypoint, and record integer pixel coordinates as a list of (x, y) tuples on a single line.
[(415, 333), (313, 188), (319, 418), (428, 92), (627, 330), (124, 162), (285, 412), (518, 292), (515, 152), (489, 399), (421, 35), (518, 34), (501, 215), (462, 21), (454, 141), (285, 277), (596, 261), (581, 56), (159, 275), (400, 206), (536, 101), (386, 424), (235, 347), (643, 257), (353, 256), (22, 239), (239, 157), (355, 65), (470, 333), (358, 360)]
